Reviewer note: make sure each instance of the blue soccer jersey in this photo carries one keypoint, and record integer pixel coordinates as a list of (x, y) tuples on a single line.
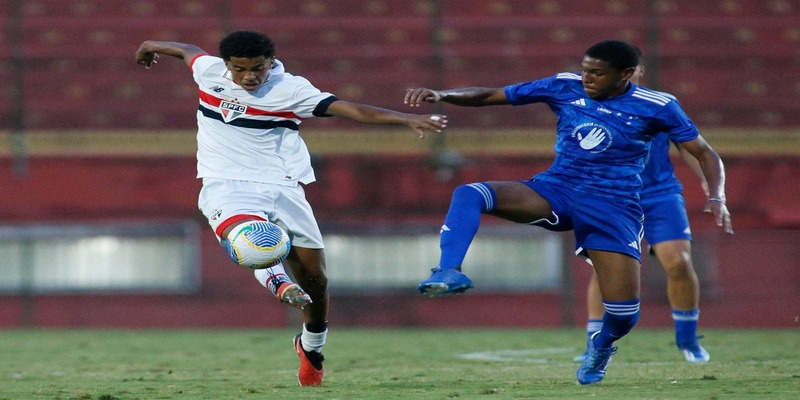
[(662, 197), (658, 176), (602, 145)]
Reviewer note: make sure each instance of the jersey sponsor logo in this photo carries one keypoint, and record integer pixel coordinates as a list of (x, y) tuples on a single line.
[(592, 137), (604, 110), (230, 111)]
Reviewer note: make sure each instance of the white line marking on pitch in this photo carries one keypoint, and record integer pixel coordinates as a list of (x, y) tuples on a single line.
[(530, 356)]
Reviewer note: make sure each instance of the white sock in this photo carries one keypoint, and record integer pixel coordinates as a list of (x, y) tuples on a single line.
[(272, 278), (312, 341)]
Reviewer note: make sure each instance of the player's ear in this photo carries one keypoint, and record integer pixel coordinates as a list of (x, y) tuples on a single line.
[(627, 74)]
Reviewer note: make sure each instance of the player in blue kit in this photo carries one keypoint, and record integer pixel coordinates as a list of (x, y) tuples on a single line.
[(667, 231), (605, 125)]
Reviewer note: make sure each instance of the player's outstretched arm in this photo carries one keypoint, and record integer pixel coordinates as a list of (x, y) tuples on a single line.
[(714, 172), (469, 97), (148, 51), (694, 165), (375, 115)]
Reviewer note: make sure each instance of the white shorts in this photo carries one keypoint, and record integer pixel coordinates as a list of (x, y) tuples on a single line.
[(223, 199)]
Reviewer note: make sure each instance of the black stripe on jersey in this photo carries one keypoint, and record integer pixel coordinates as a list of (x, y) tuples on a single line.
[(250, 123), (321, 108)]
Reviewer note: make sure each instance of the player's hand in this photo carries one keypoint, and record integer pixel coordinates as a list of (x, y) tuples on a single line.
[(415, 97), (721, 214), (430, 122), (145, 56)]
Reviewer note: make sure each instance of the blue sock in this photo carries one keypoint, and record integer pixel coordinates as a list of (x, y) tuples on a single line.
[(462, 222), (686, 325), (592, 326), (619, 318)]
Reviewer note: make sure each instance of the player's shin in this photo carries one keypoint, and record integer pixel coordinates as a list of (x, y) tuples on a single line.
[(462, 222), (620, 317)]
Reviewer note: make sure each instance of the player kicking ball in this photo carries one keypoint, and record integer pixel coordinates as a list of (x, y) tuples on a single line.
[(605, 125), (253, 164)]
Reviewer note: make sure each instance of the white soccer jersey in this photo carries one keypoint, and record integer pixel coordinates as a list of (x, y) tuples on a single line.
[(254, 136)]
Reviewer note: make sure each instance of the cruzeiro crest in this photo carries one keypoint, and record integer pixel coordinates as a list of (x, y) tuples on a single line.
[(592, 137), (231, 110)]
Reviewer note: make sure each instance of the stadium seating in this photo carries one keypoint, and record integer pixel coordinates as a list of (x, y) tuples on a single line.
[(122, 9), (324, 10), (730, 62), (547, 8)]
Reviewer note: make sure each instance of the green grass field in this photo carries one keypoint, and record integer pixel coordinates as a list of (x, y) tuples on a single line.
[(388, 364)]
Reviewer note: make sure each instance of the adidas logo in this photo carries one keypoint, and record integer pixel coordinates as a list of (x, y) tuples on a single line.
[(579, 102), (634, 244), (444, 229)]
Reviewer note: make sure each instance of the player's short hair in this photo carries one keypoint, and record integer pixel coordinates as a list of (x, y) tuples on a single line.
[(618, 54), (246, 44)]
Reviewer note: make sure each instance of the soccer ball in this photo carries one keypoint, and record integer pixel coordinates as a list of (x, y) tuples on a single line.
[(257, 244)]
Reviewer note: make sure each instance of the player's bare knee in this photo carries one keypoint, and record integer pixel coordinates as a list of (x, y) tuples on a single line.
[(679, 268)]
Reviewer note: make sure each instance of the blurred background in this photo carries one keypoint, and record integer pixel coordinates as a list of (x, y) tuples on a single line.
[(99, 225)]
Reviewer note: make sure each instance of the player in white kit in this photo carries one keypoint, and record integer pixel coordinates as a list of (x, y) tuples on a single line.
[(253, 163)]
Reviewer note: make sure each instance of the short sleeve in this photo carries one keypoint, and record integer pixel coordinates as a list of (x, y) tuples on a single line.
[(676, 123), (531, 92), (306, 99)]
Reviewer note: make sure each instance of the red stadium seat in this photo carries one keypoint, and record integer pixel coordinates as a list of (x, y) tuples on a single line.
[(112, 36), (123, 9), (547, 8), (733, 8), (324, 10)]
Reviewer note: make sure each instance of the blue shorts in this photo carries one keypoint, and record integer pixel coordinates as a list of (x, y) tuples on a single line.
[(665, 218), (599, 223)]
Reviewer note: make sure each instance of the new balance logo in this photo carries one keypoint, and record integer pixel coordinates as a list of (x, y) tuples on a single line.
[(579, 102), (217, 89)]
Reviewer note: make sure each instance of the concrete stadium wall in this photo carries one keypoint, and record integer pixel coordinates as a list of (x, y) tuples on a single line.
[(749, 279)]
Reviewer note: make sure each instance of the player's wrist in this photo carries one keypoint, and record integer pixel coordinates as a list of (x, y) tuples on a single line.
[(717, 199)]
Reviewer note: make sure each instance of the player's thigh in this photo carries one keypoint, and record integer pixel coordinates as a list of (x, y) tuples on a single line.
[(617, 274), (223, 201), (517, 202), (293, 212)]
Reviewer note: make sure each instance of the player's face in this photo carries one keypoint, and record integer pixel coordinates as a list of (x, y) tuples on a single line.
[(249, 73), (601, 81)]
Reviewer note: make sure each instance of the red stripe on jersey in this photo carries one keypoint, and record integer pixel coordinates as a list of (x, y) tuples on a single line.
[(215, 101)]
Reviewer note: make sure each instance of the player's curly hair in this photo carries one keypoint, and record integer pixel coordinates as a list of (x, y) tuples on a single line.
[(619, 55), (246, 44)]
